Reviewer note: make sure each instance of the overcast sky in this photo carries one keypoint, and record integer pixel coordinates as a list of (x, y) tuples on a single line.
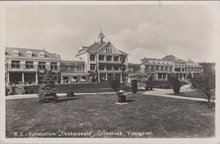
[(186, 31)]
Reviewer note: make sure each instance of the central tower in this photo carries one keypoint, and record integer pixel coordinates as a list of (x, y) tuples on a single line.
[(101, 36)]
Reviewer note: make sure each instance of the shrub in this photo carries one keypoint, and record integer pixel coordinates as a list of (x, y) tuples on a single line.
[(115, 84), (134, 86), (47, 91), (71, 93), (28, 90), (174, 82), (124, 87)]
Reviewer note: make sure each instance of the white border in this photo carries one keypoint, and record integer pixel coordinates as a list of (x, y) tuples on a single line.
[(102, 140)]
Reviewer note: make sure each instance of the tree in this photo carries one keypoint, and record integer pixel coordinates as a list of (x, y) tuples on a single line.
[(175, 83), (47, 90), (205, 83), (123, 69), (115, 84), (134, 86)]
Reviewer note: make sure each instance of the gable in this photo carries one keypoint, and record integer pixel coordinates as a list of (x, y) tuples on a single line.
[(110, 49)]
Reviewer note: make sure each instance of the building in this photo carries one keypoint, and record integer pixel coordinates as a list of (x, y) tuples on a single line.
[(73, 71), (103, 60), (160, 68), (26, 66)]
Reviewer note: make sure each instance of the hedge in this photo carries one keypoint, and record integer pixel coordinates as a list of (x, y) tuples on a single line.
[(160, 84), (64, 88)]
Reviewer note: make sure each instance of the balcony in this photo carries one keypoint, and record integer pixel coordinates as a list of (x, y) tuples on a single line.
[(109, 71), (22, 70), (109, 62)]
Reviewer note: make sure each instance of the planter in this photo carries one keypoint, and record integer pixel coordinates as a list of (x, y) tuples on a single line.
[(121, 96)]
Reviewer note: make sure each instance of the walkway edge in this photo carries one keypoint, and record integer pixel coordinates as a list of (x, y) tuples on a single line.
[(176, 97)]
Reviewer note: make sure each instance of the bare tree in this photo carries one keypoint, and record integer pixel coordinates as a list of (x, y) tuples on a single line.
[(205, 83)]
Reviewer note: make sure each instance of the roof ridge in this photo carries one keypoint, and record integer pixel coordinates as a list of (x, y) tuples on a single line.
[(103, 46), (25, 48)]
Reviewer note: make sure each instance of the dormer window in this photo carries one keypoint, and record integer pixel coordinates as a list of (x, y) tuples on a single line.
[(15, 53), (41, 54), (29, 53)]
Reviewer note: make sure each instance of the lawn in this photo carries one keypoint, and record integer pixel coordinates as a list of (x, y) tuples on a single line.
[(194, 94), (100, 116)]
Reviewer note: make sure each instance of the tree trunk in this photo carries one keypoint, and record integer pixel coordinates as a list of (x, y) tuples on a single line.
[(209, 103)]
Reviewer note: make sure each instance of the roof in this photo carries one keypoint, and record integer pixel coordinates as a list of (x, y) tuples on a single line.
[(35, 52), (148, 59), (168, 60), (95, 47), (172, 58)]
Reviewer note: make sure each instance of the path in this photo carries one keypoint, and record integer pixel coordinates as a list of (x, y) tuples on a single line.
[(168, 92), (154, 92)]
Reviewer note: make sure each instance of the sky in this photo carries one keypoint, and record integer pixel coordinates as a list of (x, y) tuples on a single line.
[(153, 31)]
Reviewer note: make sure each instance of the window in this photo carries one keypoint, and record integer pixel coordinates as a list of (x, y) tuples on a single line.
[(41, 65), (116, 67), (72, 67), (109, 58), (101, 57), (101, 67), (41, 54), (92, 66), (79, 68), (29, 53), (29, 64), (15, 53), (53, 65), (92, 57), (116, 58), (109, 50), (123, 59), (15, 64), (109, 67), (177, 69), (166, 68), (160, 76)]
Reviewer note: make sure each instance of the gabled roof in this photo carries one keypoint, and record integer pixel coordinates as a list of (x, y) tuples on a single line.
[(172, 58), (96, 47), (148, 59), (35, 52)]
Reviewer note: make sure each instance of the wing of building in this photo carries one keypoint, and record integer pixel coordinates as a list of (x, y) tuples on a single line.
[(160, 68), (25, 65)]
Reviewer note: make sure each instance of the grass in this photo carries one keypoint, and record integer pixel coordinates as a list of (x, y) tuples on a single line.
[(194, 94), (161, 117)]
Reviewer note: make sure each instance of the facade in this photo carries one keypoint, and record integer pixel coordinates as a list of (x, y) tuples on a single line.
[(103, 60), (73, 71), (160, 68), (26, 66)]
